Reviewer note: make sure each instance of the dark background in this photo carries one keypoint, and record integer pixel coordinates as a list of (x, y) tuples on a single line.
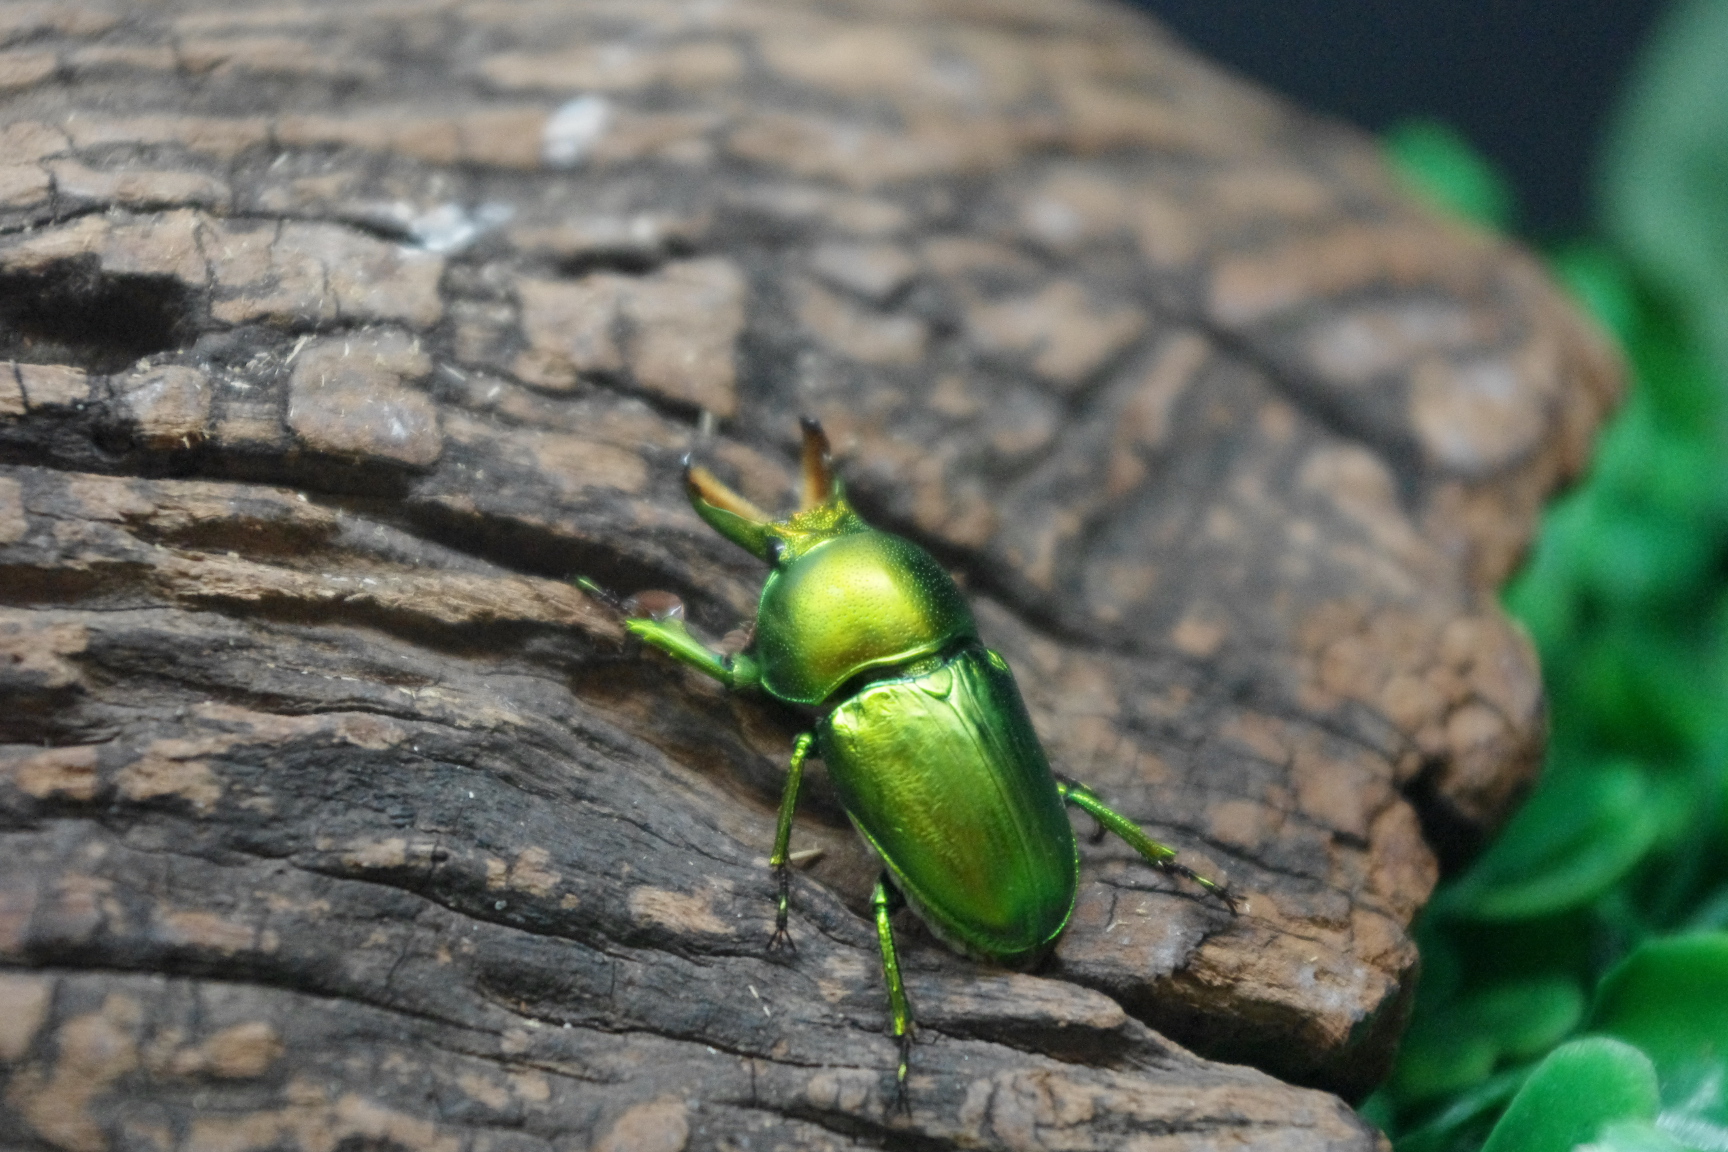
[(1529, 82)]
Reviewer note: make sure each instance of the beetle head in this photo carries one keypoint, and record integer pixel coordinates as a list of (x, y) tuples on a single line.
[(823, 512)]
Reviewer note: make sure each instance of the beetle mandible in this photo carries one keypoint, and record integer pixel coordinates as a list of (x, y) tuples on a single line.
[(922, 729)]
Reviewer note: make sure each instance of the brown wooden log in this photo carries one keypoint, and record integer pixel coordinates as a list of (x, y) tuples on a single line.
[(335, 339)]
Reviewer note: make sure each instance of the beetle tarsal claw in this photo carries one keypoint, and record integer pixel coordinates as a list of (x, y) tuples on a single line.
[(782, 938), (1229, 898), (654, 604), (902, 1101), (607, 599)]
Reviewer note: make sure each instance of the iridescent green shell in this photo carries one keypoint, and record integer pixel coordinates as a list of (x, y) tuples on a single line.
[(944, 776), (850, 603)]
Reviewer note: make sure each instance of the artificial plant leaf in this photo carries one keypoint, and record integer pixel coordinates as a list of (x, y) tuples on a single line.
[(1580, 832), (1665, 175), (1455, 1045), (1545, 595), (1598, 279), (1637, 692), (1466, 1114), (1643, 556), (1578, 1089), (1526, 1017), (1440, 1056), (1711, 913), (1441, 166), (1635, 1136), (1442, 967), (1663, 456), (1380, 1109), (1670, 998)]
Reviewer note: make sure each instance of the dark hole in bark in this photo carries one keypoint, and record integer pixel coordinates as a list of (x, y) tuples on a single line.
[(625, 261), (1455, 838), (71, 313)]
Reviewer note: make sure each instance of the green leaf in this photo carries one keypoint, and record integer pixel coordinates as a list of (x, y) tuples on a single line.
[(1665, 186), (1466, 1114), (1578, 835), (1634, 1136), (1526, 1017), (1670, 998), (1636, 691), (1440, 166), (1661, 454), (1641, 556), (1597, 277), (1456, 1044), (1676, 380), (1573, 1094), (1711, 913), (1440, 1056), (1379, 1110), (1442, 967)]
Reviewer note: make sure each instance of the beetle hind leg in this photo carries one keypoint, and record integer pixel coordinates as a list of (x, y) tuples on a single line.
[(885, 900), (1160, 856), (780, 861)]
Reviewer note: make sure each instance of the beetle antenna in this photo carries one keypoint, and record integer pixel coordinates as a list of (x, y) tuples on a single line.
[(818, 475)]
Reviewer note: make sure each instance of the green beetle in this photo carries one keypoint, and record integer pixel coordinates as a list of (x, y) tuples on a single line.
[(922, 728)]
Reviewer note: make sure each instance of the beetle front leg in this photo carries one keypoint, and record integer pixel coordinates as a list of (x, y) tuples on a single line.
[(884, 900), (1160, 856), (674, 639), (783, 843), (672, 636)]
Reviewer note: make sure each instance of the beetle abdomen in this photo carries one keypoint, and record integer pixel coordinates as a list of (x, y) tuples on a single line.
[(945, 777), (862, 600)]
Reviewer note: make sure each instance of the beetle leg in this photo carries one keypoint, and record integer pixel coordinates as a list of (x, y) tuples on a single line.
[(883, 901), (818, 477), (663, 627), (666, 630), (783, 842), (1160, 856), (673, 637)]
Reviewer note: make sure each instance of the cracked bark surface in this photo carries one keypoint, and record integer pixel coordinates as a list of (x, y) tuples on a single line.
[(335, 339)]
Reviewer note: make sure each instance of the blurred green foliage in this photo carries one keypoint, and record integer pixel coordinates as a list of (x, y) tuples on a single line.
[(1575, 977), (1443, 167)]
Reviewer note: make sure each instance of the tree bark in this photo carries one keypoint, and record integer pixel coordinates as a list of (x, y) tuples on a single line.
[(335, 340)]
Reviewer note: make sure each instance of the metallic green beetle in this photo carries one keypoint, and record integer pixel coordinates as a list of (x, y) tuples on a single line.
[(922, 729)]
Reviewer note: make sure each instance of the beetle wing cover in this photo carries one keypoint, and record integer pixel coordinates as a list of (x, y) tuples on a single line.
[(945, 777)]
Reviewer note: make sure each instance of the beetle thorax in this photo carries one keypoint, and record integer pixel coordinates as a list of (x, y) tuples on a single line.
[(841, 604)]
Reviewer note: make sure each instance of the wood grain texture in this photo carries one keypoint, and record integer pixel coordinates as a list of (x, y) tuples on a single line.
[(335, 339)]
